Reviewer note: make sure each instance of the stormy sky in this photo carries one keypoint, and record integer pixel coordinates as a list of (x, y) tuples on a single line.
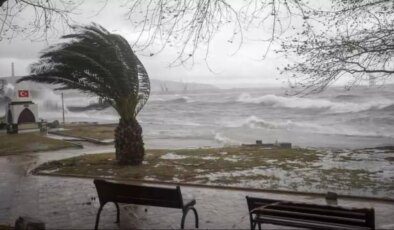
[(245, 68)]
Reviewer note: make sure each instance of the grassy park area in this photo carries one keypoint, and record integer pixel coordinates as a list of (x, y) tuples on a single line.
[(29, 142), (193, 165), (250, 167)]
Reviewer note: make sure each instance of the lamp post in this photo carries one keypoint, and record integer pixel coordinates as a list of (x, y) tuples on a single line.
[(64, 121)]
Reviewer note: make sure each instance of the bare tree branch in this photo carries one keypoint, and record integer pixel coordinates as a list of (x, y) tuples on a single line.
[(357, 42), (48, 17), (191, 25)]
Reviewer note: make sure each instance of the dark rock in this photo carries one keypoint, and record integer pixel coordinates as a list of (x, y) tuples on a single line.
[(285, 145), (28, 223), (332, 198)]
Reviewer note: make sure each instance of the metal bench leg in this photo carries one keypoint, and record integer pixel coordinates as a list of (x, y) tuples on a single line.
[(259, 226), (98, 217), (184, 216), (117, 213), (252, 223), (195, 215)]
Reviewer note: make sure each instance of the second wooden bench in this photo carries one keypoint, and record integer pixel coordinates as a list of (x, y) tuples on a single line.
[(314, 216)]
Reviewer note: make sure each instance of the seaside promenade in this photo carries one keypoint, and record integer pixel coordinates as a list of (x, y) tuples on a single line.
[(70, 203)]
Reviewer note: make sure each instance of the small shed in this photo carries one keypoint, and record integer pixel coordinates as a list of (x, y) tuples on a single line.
[(21, 111)]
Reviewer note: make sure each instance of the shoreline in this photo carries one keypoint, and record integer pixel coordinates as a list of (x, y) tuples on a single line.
[(83, 130)]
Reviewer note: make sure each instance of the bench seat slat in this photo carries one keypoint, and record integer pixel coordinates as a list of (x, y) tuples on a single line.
[(310, 216), (301, 208), (305, 223), (257, 203), (147, 201)]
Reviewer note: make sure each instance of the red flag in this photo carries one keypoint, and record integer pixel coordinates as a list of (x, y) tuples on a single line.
[(23, 93)]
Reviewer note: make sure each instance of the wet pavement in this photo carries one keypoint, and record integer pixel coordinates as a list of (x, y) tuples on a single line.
[(72, 203)]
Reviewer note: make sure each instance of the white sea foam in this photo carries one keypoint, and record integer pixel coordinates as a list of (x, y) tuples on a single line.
[(9, 90), (253, 122), (172, 156), (219, 137), (315, 103), (176, 98), (210, 158)]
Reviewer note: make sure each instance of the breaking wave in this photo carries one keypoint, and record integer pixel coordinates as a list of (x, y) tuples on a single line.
[(172, 98), (316, 103), (254, 122), (219, 137)]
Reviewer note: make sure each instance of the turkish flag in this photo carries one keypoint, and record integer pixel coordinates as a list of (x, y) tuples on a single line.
[(23, 93)]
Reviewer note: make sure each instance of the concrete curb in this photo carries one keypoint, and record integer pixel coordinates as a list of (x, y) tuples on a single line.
[(92, 140), (234, 188), (75, 146)]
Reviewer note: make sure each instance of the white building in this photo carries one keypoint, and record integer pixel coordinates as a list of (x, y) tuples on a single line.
[(21, 111)]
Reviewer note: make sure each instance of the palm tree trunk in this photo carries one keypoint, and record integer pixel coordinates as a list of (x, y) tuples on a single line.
[(128, 142)]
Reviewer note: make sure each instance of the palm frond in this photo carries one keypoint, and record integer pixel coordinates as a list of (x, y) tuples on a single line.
[(144, 86)]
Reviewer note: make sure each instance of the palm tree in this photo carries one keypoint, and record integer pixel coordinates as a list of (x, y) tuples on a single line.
[(98, 62)]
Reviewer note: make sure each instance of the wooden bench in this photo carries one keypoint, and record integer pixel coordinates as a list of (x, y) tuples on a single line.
[(314, 216), (142, 195)]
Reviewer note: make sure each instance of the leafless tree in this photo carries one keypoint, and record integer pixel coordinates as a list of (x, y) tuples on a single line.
[(355, 40)]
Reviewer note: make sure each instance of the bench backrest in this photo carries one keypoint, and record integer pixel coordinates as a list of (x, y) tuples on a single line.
[(360, 217), (138, 194)]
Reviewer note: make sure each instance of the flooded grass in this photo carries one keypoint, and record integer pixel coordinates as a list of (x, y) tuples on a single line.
[(288, 169), (29, 142)]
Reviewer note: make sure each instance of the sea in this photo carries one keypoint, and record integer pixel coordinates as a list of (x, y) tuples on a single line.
[(362, 117), (335, 118)]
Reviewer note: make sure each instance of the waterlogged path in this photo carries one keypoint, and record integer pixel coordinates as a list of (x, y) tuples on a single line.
[(59, 202), (72, 203)]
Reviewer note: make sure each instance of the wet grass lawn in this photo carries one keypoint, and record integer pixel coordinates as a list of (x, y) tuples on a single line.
[(5, 227), (29, 142), (288, 169), (99, 132)]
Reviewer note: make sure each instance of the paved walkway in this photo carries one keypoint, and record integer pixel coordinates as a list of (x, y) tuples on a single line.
[(72, 203)]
